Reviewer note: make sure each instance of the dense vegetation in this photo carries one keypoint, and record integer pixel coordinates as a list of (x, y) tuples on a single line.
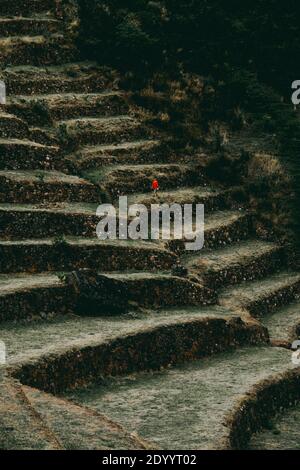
[(261, 36), (248, 51)]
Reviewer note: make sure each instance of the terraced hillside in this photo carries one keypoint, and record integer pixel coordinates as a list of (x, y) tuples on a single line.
[(199, 361)]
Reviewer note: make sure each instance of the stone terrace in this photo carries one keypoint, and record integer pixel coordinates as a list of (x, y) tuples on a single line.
[(69, 139)]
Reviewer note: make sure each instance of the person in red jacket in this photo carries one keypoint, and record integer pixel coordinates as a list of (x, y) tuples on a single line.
[(155, 186)]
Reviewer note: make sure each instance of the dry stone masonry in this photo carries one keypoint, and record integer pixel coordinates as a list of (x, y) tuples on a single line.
[(70, 139)]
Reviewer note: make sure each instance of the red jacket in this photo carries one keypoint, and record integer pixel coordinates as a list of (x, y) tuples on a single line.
[(155, 184)]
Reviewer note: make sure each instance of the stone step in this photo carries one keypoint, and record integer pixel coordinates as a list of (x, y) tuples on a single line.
[(127, 179), (81, 77), (200, 405), (21, 426), (39, 109), (163, 290), (244, 261), (33, 26), (212, 198), (17, 154), (29, 296), (284, 324), (67, 254), (47, 135), (36, 50), (221, 228), (25, 7), (282, 432), (19, 221), (263, 296), (12, 127), (44, 186), (105, 130), (136, 152), (81, 428), (27, 221), (40, 351)]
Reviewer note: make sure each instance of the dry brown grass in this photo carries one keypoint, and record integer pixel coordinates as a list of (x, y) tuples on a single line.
[(266, 165)]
